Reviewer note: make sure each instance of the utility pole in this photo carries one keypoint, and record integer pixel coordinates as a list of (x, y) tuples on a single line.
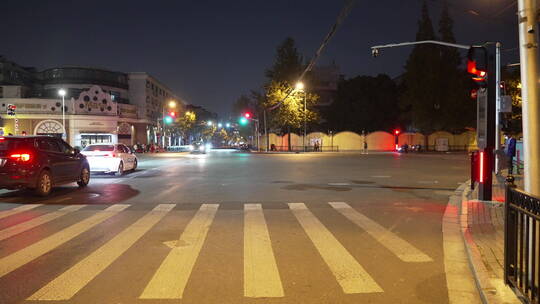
[(528, 53), (498, 102), (265, 130)]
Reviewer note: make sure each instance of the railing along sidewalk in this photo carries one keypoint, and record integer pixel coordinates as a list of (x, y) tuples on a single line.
[(521, 242)]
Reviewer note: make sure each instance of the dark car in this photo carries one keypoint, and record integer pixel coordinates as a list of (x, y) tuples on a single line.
[(39, 163), (198, 147)]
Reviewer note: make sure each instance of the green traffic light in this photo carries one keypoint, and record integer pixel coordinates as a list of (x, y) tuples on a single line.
[(243, 121), (168, 119)]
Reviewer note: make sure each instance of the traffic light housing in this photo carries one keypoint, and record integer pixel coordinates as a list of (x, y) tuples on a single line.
[(247, 115), (477, 65), (172, 114)]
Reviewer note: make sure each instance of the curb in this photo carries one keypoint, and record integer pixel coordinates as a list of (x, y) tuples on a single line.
[(492, 289), (460, 281)]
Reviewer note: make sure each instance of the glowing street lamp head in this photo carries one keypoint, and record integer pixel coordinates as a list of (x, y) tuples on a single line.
[(228, 125), (300, 86), (62, 92), (220, 125), (209, 123), (172, 104)]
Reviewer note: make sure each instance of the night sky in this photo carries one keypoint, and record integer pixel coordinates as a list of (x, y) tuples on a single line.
[(211, 52)]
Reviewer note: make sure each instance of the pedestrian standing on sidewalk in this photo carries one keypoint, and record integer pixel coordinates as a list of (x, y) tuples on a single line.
[(365, 147), (510, 151)]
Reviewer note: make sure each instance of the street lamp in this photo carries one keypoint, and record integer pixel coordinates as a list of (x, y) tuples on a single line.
[(220, 125), (300, 87), (62, 93), (209, 123), (172, 104), (227, 125)]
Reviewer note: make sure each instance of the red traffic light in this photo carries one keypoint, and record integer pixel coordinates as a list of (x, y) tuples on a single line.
[(474, 94), (247, 115), (172, 114), (477, 64), (397, 132)]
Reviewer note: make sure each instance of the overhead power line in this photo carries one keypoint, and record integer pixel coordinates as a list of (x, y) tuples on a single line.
[(349, 4)]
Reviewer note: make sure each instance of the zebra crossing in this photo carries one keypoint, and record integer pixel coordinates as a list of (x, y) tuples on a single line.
[(261, 270)]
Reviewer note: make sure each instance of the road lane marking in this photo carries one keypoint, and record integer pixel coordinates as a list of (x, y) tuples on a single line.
[(40, 220), (381, 176), (352, 277), (338, 184), (261, 275), (65, 286), (19, 209), (401, 248), (172, 276), (27, 254)]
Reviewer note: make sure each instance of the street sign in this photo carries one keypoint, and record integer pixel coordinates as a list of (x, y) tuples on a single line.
[(481, 119), (506, 104)]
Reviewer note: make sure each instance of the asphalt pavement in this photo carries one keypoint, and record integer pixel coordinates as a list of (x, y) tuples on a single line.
[(233, 227)]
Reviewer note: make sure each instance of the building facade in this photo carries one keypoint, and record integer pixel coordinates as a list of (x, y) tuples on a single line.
[(100, 106)]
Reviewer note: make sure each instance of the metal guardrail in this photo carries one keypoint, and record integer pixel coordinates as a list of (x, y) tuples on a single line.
[(521, 243), (305, 149)]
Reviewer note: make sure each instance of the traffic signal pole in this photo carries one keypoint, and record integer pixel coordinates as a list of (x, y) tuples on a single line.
[(485, 187), (528, 53), (498, 103)]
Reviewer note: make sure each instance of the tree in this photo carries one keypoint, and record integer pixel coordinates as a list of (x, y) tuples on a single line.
[(365, 103), (290, 114), (280, 92), (512, 122), (287, 65), (185, 123), (421, 80), (454, 84)]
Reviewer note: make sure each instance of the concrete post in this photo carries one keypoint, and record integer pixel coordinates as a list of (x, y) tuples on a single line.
[(528, 51)]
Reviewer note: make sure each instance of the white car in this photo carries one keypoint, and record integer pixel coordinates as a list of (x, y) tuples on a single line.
[(108, 158)]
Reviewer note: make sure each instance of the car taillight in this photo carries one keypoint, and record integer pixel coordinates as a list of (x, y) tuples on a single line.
[(110, 155), (21, 157)]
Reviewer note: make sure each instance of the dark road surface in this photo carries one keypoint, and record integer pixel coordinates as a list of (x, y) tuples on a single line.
[(229, 227)]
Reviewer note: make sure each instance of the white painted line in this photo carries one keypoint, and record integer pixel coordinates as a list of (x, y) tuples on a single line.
[(459, 278), (352, 277), (19, 209), (172, 276), (338, 184), (40, 220), (261, 275), (65, 286), (401, 248), (381, 176), (428, 182), (23, 256)]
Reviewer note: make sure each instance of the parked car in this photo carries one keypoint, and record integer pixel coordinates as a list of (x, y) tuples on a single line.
[(110, 158), (40, 163)]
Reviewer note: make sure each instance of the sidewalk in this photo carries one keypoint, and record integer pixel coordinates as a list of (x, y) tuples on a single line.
[(482, 227)]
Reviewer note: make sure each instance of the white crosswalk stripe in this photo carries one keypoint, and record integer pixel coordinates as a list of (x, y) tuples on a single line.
[(401, 248), (261, 275), (19, 209), (40, 220), (23, 256), (352, 277), (70, 282), (261, 269), (171, 278)]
